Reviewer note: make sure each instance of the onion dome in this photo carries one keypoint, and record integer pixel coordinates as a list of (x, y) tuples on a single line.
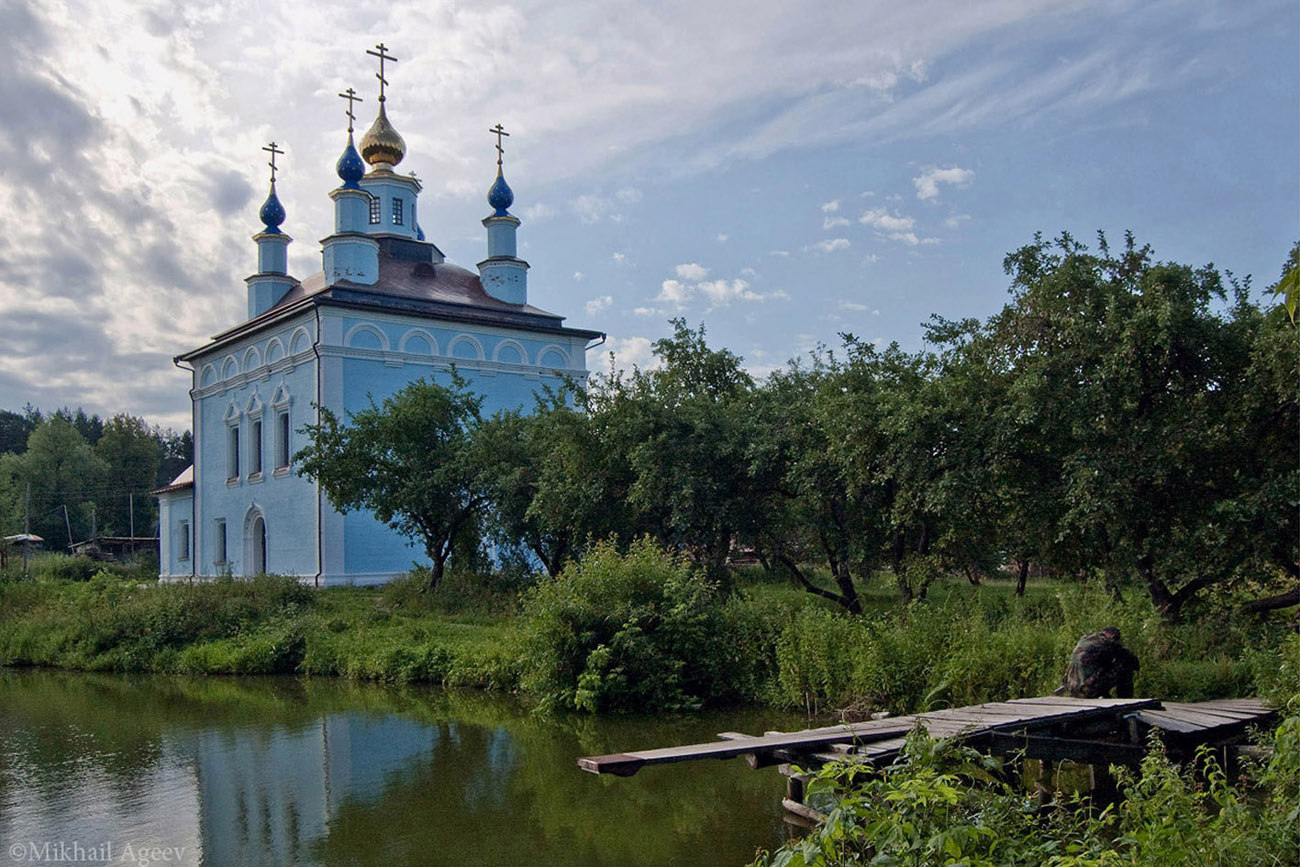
[(500, 196), (272, 213), (350, 168), (382, 146)]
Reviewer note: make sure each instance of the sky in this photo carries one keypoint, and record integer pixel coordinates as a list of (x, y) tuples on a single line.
[(781, 173)]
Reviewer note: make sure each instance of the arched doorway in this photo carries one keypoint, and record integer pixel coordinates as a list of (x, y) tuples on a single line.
[(254, 543)]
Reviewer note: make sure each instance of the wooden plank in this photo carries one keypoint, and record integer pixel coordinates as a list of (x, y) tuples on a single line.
[(626, 764), (1243, 703), (1162, 720), (1228, 716), (1060, 749), (1204, 720)]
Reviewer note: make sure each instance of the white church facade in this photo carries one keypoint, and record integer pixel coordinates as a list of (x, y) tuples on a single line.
[(385, 310)]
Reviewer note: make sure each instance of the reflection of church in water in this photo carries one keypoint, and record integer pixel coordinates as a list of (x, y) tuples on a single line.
[(277, 796), (385, 310)]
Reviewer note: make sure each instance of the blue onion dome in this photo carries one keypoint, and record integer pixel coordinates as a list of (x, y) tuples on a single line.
[(350, 167), (272, 213), (501, 196)]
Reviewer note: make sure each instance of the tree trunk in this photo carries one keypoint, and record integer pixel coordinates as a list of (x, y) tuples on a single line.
[(1272, 603), (1022, 576)]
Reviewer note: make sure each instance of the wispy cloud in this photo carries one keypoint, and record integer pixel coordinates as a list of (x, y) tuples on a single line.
[(596, 305), (831, 245), (927, 183)]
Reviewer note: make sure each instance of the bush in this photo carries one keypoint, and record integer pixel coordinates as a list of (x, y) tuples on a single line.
[(940, 804), (63, 567), (636, 632)]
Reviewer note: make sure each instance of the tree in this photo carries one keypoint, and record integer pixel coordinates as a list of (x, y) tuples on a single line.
[(131, 453), (684, 428), (1132, 374), (410, 461), (63, 471)]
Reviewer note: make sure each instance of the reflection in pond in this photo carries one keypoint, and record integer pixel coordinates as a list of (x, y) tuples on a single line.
[(281, 771)]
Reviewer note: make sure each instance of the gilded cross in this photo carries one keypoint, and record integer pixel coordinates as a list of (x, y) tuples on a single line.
[(351, 96), (273, 151), (499, 131), (383, 55)]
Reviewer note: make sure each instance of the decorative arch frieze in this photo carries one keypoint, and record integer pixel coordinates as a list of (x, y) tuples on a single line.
[(300, 341), (417, 341), (465, 343), (359, 335), (553, 357), (510, 352)]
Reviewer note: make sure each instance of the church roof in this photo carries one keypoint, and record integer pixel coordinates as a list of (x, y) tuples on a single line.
[(184, 480), (410, 283)]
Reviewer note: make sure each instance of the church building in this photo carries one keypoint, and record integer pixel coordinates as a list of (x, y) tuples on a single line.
[(386, 309)]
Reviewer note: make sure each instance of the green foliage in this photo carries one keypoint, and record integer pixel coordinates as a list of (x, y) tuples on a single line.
[(940, 804), (970, 645), (625, 632), (410, 461)]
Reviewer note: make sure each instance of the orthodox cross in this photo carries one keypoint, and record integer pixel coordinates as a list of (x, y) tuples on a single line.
[(383, 55), (351, 96), (498, 131), (273, 151)]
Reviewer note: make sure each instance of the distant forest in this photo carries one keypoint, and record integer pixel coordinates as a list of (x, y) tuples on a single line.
[(68, 475)]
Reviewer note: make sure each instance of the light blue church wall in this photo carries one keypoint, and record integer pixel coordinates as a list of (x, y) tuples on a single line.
[(248, 386), (175, 537), (371, 357)]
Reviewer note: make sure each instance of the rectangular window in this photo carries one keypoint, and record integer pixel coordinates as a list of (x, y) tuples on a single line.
[(398, 210), (282, 440), (375, 213), (256, 446), (220, 556), (183, 543), (232, 453)]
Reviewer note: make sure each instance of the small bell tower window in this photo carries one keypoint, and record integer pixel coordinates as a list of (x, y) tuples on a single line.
[(399, 209), (375, 213)]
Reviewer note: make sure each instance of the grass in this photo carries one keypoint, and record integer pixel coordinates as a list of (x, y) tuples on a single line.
[(964, 644)]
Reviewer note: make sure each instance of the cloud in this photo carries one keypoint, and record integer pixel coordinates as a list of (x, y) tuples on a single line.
[(721, 239), (852, 305), (894, 227), (578, 275), (596, 305), (832, 244), (831, 206), (956, 220), (692, 271), (927, 183), (626, 353), (674, 292), (879, 218), (620, 258), (829, 223), (537, 212), (628, 195)]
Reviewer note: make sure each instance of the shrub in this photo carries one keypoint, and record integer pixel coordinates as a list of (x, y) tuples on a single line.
[(626, 632)]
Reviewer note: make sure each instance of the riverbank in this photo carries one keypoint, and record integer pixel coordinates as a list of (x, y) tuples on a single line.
[(964, 645)]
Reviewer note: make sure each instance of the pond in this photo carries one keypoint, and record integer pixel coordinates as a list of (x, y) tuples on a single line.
[(106, 769)]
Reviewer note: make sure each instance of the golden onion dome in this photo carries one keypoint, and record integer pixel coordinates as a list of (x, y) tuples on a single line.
[(382, 146)]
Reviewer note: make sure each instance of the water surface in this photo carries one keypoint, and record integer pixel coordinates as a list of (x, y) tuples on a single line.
[(100, 769)]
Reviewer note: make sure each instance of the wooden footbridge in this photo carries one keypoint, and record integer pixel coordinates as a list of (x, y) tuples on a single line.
[(1095, 731)]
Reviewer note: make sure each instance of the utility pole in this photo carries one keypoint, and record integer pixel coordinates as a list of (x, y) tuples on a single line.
[(130, 500), (27, 526), (67, 523)]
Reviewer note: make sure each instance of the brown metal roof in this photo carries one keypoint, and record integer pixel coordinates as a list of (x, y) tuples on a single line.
[(411, 282)]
